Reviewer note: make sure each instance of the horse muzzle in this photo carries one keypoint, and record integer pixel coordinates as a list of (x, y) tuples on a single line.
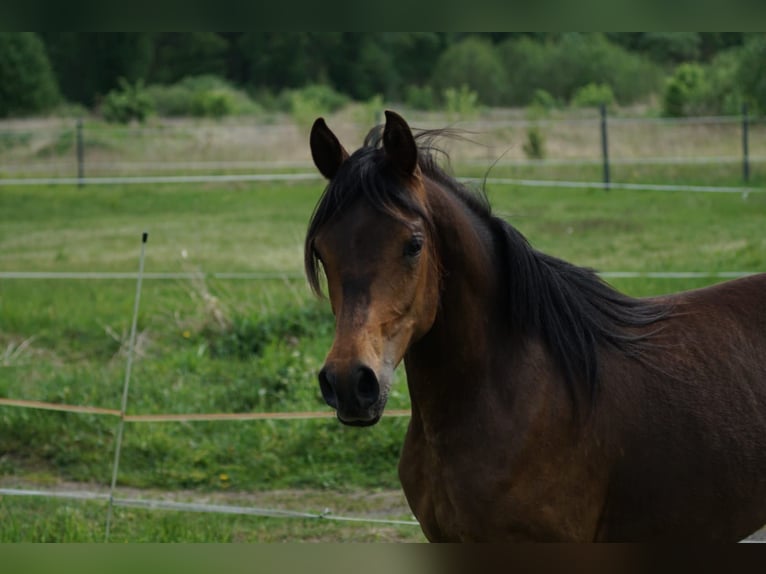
[(356, 393)]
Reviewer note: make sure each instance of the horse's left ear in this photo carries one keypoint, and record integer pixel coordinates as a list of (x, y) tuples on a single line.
[(399, 143)]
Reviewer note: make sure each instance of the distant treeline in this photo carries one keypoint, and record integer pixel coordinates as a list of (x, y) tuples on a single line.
[(40, 70)]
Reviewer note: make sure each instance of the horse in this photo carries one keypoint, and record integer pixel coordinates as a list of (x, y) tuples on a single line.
[(545, 404)]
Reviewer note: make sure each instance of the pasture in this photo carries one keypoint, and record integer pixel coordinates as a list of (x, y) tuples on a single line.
[(234, 345)]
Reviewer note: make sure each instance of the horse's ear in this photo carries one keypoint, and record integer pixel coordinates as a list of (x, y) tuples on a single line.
[(326, 150), (399, 143)]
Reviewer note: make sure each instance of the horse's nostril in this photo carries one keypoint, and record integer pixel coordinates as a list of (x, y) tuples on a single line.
[(327, 386), (367, 387)]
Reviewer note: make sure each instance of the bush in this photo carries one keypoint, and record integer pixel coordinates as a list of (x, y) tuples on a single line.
[(593, 96), (461, 103), (127, 103), (751, 72), (213, 104), (685, 91), (473, 62), (310, 102), (725, 95), (534, 147), (27, 84), (544, 101), (420, 97), (716, 88), (201, 96)]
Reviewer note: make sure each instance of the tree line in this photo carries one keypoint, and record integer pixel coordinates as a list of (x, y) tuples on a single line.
[(710, 71)]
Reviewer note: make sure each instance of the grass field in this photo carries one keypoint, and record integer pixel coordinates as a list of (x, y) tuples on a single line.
[(232, 346)]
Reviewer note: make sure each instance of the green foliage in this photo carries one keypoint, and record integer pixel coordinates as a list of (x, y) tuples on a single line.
[(715, 88), (724, 89), (685, 91), (474, 63), (411, 67), (671, 47), (88, 65), (534, 146), (13, 139), (128, 103), (369, 112), (420, 97), (575, 60), (306, 104), (63, 142), (179, 55), (461, 103), (201, 96), (593, 96), (27, 84), (543, 100), (751, 72)]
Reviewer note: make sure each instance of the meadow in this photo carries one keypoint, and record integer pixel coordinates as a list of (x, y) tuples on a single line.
[(208, 345)]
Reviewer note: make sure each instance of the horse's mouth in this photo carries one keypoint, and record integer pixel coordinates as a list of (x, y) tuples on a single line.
[(359, 422)]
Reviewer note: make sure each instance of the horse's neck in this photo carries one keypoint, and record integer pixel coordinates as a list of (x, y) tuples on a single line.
[(459, 352)]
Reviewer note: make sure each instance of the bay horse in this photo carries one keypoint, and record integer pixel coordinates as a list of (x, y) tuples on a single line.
[(546, 406)]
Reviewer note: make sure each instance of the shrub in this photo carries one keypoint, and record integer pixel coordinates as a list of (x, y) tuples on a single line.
[(201, 96), (543, 100), (751, 72), (534, 147), (593, 95), (716, 88), (213, 104), (309, 102), (28, 85), (473, 62), (685, 91), (420, 97), (725, 90), (127, 103), (462, 103)]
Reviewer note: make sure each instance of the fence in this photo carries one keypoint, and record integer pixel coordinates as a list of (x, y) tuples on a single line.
[(122, 416), (94, 151)]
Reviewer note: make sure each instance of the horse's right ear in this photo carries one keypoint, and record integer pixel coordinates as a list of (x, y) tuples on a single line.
[(326, 150)]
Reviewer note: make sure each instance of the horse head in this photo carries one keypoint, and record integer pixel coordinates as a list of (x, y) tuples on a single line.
[(373, 239)]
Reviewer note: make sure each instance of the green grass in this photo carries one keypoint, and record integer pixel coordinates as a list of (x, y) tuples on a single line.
[(249, 346), (36, 519)]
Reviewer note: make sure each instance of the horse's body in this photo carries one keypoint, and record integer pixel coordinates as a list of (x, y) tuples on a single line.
[(545, 405)]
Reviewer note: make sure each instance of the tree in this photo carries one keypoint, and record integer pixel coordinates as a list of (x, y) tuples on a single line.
[(472, 62), (177, 55), (752, 71), (27, 84), (88, 65)]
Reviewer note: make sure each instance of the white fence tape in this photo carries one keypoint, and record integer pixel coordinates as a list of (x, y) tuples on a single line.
[(158, 504)]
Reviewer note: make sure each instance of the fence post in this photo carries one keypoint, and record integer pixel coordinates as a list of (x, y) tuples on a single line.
[(80, 154), (124, 404), (604, 145), (745, 154)]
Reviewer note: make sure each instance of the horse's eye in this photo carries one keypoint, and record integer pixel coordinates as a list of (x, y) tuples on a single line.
[(413, 246)]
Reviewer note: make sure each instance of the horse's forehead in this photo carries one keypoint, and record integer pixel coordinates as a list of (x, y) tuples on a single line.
[(359, 221)]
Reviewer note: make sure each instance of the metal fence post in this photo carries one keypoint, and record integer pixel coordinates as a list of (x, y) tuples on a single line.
[(604, 145), (80, 154), (124, 404), (745, 154)]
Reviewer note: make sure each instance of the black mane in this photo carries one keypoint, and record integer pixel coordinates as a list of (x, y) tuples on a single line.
[(570, 308)]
